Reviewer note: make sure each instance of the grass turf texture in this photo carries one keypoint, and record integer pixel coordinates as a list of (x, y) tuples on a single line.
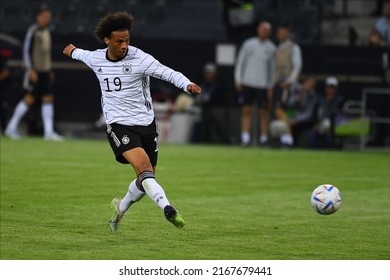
[(239, 203)]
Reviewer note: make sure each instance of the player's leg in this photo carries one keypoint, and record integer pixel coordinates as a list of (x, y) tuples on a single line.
[(246, 115), (135, 193), (119, 138), (21, 108), (246, 124), (140, 161), (150, 144), (47, 109), (286, 138), (263, 104), (128, 148), (47, 112), (280, 103), (280, 114), (264, 122)]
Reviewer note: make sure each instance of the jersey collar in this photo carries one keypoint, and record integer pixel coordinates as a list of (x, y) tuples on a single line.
[(116, 60)]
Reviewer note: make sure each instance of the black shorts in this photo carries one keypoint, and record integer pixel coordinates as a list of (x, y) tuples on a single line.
[(280, 98), (123, 138), (42, 87), (250, 95)]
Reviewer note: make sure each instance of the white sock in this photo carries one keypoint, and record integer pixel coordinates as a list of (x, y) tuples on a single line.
[(20, 111), (245, 137), (263, 138), (155, 192), (47, 112), (133, 195)]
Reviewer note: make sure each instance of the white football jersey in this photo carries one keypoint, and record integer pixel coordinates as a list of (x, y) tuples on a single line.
[(125, 84)]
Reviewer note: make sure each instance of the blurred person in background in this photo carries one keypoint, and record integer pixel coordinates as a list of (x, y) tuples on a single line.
[(288, 65), (211, 127), (382, 25), (253, 75), (321, 134), (295, 112), (303, 103), (376, 40), (38, 77), (5, 76)]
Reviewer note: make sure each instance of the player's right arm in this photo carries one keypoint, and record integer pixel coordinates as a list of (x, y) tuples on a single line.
[(68, 50), (238, 69), (27, 46), (79, 54)]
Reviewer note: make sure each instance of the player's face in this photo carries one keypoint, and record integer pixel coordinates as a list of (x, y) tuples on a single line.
[(264, 30), (309, 84), (44, 18), (282, 34), (330, 92), (117, 44)]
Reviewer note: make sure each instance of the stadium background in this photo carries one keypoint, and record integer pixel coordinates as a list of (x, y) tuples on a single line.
[(185, 35)]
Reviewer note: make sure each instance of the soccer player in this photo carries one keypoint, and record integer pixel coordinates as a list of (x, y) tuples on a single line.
[(253, 75), (124, 72), (37, 78)]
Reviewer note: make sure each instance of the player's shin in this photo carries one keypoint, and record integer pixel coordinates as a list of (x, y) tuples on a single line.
[(133, 195), (153, 189)]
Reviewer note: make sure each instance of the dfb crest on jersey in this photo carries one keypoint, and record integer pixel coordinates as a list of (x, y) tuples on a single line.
[(126, 69), (125, 140)]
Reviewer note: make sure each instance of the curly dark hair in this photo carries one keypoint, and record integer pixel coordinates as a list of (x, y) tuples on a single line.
[(113, 22)]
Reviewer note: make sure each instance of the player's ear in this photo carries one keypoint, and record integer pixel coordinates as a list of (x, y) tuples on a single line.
[(106, 40)]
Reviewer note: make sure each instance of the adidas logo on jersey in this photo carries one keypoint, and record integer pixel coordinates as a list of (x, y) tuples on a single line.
[(100, 70)]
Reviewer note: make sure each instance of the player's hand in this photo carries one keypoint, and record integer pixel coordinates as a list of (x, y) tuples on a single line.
[(194, 89), (33, 75), (68, 50)]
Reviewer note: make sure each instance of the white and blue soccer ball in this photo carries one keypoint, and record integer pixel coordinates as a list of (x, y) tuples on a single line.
[(326, 199)]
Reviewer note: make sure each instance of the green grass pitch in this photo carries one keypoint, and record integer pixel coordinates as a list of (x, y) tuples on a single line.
[(239, 204)]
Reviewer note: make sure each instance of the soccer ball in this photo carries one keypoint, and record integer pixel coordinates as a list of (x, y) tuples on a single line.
[(326, 199)]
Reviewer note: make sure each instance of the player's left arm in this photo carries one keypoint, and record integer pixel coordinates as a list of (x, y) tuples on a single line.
[(296, 64), (157, 70)]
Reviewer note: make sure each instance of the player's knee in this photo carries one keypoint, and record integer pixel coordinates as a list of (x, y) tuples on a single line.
[(145, 175), (29, 99), (143, 166), (48, 98)]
